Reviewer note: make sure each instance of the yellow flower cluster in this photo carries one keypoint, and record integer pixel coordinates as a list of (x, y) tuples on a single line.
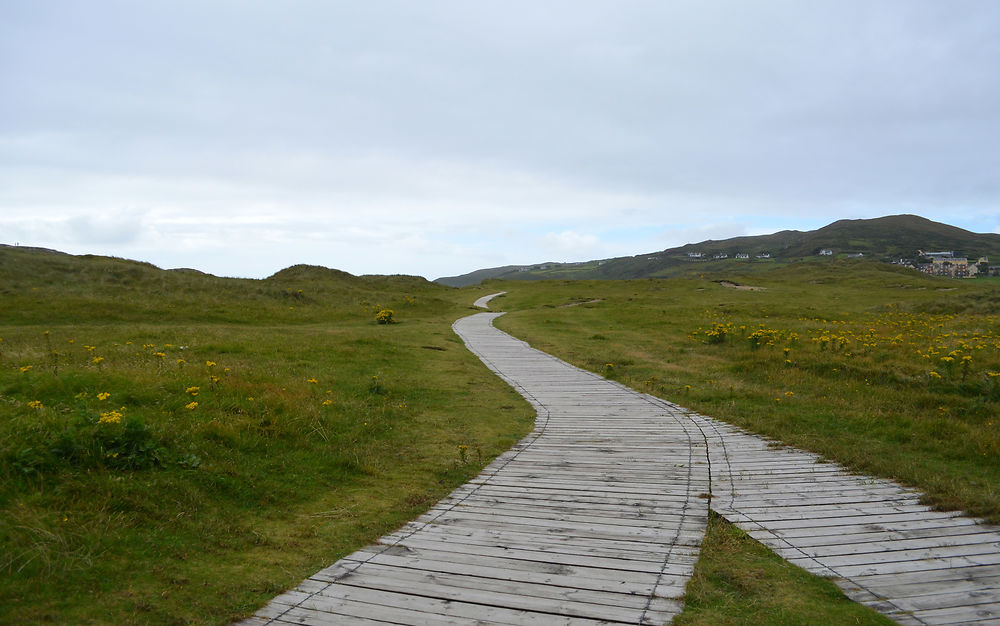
[(111, 417)]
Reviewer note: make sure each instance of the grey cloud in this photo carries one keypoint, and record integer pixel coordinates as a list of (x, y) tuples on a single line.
[(725, 109)]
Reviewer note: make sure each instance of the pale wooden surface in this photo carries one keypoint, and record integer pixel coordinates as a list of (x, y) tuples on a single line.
[(597, 516)]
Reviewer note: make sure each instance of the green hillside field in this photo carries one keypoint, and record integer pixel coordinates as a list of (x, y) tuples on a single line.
[(179, 448)]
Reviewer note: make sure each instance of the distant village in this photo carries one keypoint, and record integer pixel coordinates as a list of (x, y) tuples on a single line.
[(944, 263), (950, 264)]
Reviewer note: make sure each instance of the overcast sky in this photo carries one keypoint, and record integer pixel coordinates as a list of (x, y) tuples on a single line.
[(436, 138)]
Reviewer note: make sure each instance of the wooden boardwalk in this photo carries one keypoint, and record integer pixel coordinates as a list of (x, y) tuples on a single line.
[(597, 516), (871, 536)]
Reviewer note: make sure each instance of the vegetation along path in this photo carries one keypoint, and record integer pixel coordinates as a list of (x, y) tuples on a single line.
[(597, 515)]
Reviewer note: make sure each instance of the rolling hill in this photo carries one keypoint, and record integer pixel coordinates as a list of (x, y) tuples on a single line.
[(884, 238)]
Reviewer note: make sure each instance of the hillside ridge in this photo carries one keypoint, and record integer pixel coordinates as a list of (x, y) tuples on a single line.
[(888, 238)]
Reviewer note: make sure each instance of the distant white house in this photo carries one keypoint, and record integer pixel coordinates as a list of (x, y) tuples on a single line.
[(742, 255), (826, 252), (721, 256), (764, 255), (695, 255), (855, 255)]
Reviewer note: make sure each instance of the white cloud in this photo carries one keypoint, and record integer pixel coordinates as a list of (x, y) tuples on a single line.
[(573, 245), (439, 138)]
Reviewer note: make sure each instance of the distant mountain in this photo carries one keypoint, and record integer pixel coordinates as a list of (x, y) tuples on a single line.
[(884, 238)]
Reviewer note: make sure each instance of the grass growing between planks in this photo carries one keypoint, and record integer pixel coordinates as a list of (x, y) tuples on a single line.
[(739, 581), (179, 448), (883, 370)]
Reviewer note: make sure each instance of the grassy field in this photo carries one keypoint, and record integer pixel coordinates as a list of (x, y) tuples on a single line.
[(179, 448)]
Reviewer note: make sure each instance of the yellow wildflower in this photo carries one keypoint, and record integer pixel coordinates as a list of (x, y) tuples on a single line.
[(312, 380), (104, 395), (192, 390), (191, 406), (110, 417), (25, 368), (97, 360), (209, 363), (36, 404)]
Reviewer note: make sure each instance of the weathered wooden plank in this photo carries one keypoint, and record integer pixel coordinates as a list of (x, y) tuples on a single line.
[(985, 541), (989, 613), (567, 514), (668, 587), (529, 598), (902, 520), (550, 543), (535, 555), (422, 558), (981, 576)]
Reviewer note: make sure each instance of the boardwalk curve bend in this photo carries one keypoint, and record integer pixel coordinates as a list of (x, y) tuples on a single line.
[(598, 514)]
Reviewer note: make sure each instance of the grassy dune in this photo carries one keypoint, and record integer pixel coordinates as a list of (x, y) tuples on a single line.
[(179, 448)]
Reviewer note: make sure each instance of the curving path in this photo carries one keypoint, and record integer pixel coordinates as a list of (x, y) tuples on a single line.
[(597, 516)]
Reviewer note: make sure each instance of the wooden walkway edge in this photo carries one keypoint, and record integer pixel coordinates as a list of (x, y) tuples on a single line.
[(597, 516)]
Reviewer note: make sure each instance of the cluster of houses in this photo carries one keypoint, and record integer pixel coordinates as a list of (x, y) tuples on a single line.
[(947, 263), (722, 255)]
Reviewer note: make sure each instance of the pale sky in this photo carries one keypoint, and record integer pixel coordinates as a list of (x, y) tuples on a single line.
[(435, 138)]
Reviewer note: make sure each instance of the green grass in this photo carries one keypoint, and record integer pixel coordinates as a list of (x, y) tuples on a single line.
[(738, 581), (251, 433), (886, 371), (202, 514)]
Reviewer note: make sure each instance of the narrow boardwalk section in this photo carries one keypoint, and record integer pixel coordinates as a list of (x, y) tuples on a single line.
[(596, 517), (871, 536)]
